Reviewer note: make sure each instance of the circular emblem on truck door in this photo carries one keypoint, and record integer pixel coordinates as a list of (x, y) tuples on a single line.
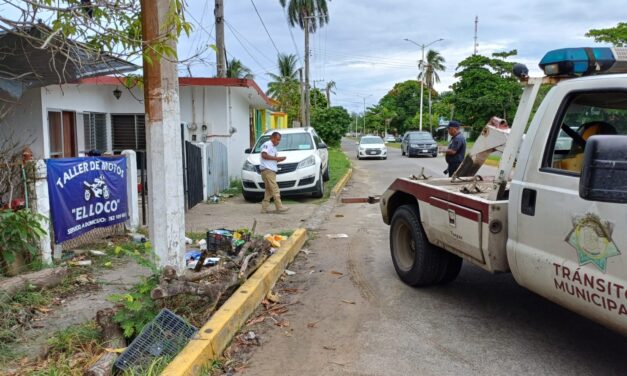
[(592, 240)]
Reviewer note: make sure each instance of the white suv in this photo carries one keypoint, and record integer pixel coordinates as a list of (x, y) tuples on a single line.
[(304, 171)]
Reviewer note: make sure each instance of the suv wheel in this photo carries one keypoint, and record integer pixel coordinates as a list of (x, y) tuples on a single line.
[(326, 176), (319, 192)]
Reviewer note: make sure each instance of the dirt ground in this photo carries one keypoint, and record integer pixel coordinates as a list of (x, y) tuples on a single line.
[(235, 212)]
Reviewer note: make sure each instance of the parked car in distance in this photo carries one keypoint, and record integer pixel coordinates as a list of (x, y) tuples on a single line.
[(419, 143), (304, 171), (564, 141), (371, 147), (390, 138)]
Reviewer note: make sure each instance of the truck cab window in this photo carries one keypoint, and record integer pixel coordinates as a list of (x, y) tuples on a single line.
[(584, 115)]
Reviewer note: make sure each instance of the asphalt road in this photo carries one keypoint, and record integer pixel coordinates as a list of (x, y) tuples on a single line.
[(353, 316)]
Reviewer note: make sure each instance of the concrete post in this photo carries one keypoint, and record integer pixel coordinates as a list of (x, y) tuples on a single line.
[(42, 206), (205, 170), (166, 207), (131, 190)]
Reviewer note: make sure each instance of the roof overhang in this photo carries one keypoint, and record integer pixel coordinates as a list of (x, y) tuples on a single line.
[(26, 62), (244, 87)]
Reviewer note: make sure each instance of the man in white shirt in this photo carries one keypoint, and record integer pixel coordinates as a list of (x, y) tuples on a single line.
[(268, 167)]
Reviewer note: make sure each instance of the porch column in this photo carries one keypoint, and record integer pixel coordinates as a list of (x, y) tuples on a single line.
[(42, 206), (131, 190)]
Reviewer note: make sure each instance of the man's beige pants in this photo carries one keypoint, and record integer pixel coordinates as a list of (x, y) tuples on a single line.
[(272, 190)]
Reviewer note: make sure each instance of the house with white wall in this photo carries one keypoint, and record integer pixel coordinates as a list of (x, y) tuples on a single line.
[(103, 113)]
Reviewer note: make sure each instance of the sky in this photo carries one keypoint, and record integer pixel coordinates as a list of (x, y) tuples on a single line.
[(363, 50)]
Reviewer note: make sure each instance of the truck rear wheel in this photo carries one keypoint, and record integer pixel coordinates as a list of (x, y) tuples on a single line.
[(418, 262)]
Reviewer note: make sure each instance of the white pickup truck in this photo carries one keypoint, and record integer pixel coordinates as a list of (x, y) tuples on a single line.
[(558, 220)]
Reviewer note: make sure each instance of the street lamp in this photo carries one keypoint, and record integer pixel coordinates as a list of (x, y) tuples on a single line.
[(422, 67)]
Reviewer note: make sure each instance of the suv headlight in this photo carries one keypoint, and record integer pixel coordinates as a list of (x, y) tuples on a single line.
[(414, 145), (307, 162), (249, 167)]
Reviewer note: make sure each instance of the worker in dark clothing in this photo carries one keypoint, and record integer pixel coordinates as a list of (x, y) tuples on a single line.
[(456, 148)]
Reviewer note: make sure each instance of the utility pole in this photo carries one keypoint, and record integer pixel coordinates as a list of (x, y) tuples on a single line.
[(307, 99), (166, 207), (422, 70), (303, 113), (220, 48)]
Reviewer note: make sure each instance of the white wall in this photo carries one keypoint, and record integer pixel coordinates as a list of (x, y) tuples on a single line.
[(239, 118), (24, 123)]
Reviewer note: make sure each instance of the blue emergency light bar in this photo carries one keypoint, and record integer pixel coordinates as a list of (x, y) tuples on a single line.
[(584, 61)]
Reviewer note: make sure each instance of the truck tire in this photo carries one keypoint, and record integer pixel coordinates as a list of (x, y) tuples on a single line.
[(453, 267), (319, 191), (417, 262), (326, 175)]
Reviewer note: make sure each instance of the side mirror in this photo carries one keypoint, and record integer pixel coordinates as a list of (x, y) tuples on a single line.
[(322, 145), (604, 173), (247, 151)]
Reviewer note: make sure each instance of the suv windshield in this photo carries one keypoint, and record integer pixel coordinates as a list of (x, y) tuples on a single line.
[(371, 140), (289, 141), (420, 137)]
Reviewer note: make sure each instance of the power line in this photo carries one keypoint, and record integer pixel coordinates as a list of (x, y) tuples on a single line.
[(300, 59), (246, 49), (234, 30), (264, 27)]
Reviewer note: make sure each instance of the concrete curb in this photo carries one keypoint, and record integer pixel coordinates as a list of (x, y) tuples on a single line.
[(342, 183), (218, 332)]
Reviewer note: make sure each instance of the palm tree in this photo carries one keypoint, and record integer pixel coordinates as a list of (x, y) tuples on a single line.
[(435, 64), (236, 69), (329, 89), (282, 84), (309, 15)]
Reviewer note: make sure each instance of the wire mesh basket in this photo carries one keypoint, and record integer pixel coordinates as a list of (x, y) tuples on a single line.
[(165, 336), (220, 240)]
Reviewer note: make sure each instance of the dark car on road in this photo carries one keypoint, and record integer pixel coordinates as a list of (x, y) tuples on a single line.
[(419, 143)]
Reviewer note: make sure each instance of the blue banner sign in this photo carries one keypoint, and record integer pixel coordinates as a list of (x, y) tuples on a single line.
[(86, 193)]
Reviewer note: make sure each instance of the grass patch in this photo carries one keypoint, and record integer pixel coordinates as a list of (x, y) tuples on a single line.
[(75, 338), (235, 188), (393, 145), (338, 166)]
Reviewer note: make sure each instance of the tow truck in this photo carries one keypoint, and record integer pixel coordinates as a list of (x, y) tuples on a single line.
[(556, 220)]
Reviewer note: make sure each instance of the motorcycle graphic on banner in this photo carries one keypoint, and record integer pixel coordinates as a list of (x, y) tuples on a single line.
[(86, 193)]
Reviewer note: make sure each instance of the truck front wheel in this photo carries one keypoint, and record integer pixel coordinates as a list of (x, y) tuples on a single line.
[(418, 262)]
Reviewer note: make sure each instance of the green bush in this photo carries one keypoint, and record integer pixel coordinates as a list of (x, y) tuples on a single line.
[(20, 231), (331, 124)]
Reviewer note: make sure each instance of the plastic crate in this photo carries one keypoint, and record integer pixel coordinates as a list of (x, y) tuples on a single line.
[(165, 336), (220, 240)]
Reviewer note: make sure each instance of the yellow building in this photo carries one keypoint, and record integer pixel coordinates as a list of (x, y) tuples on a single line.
[(267, 119)]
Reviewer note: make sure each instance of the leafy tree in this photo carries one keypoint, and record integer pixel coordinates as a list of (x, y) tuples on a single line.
[(318, 99), (331, 123), (615, 35), (486, 87), (236, 69), (314, 14), (404, 101), (329, 89), (285, 83), (435, 64)]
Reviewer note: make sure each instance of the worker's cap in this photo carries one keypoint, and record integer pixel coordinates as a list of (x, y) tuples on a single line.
[(453, 124)]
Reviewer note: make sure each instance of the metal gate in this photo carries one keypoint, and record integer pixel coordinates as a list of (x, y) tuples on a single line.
[(218, 168), (193, 174)]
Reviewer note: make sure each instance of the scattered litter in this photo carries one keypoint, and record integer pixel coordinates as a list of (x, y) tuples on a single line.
[(137, 238), (348, 301), (273, 298), (329, 348), (80, 263), (272, 250), (289, 272), (336, 272), (225, 195), (215, 199), (283, 324), (192, 257), (83, 279), (250, 336), (339, 216), (202, 244), (256, 320), (313, 324), (337, 236), (188, 241), (108, 264), (306, 251), (275, 239), (94, 252)]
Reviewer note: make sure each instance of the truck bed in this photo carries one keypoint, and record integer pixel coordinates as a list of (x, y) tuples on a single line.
[(459, 217)]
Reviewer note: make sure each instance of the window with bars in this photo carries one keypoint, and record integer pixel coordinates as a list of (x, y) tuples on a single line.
[(95, 126), (129, 132)]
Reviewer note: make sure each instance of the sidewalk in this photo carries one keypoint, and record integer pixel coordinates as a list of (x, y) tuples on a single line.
[(235, 212)]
